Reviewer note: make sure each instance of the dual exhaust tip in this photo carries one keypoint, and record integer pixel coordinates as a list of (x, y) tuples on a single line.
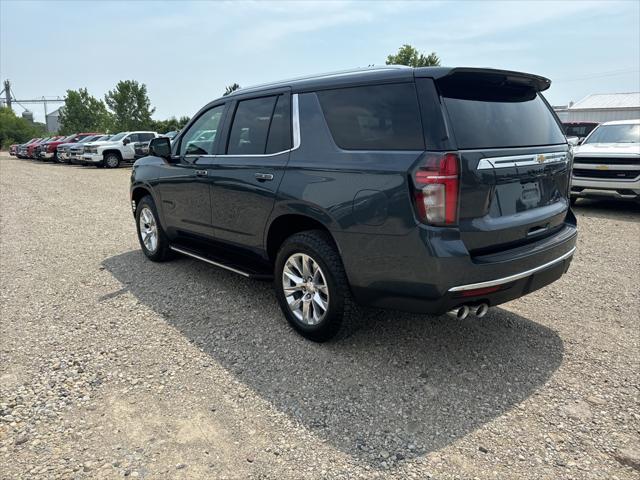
[(460, 313)]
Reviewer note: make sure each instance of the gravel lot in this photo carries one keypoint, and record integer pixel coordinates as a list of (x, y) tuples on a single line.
[(112, 366)]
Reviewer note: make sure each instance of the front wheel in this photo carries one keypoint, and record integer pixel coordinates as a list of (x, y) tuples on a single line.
[(153, 240), (312, 287), (111, 160)]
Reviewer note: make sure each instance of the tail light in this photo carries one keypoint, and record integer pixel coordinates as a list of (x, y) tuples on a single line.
[(436, 186)]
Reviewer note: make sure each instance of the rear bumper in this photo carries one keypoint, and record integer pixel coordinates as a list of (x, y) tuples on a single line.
[(431, 274)]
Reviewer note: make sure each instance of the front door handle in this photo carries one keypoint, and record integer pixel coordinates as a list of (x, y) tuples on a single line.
[(201, 173), (263, 177)]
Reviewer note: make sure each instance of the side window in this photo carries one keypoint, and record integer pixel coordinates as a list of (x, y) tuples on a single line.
[(133, 137), (145, 137), (251, 126), (200, 137), (378, 117), (280, 129)]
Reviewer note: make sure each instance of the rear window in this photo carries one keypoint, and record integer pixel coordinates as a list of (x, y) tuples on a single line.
[(379, 117), (485, 115), (577, 129)]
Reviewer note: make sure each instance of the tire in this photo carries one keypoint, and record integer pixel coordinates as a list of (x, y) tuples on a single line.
[(145, 211), (320, 324), (111, 160)]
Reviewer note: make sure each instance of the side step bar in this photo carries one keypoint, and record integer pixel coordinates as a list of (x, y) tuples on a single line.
[(234, 269)]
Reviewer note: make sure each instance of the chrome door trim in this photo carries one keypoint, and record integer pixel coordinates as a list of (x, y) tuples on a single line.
[(511, 278)]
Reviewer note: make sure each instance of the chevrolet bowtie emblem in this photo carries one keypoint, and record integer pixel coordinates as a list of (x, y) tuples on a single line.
[(540, 158)]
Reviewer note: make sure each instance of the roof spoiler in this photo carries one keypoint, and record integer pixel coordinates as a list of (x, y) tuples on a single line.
[(536, 82)]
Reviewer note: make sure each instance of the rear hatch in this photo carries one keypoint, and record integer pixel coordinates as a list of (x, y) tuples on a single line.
[(514, 158)]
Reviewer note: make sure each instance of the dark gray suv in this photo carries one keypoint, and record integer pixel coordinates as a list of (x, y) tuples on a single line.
[(430, 190)]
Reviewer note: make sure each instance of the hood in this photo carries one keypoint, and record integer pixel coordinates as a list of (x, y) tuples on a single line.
[(596, 149), (103, 143)]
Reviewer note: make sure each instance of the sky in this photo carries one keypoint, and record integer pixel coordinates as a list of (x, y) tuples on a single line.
[(187, 52)]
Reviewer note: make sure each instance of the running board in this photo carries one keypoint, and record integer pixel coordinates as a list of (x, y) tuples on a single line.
[(216, 262)]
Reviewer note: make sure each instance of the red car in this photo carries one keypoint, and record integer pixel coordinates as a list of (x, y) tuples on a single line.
[(32, 147), (51, 149)]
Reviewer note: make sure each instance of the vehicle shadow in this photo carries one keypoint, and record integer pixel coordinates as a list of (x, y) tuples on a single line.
[(402, 384), (607, 208)]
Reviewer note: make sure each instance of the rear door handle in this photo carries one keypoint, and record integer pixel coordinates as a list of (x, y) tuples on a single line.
[(262, 177), (201, 173)]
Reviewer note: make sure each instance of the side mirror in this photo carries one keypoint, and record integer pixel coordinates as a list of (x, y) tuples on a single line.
[(573, 141), (160, 147), (126, 141)]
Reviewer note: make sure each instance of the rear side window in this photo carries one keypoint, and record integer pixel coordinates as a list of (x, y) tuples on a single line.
[(379, 117), (250, 126), (484, 114), (145, 137), (279, 138)]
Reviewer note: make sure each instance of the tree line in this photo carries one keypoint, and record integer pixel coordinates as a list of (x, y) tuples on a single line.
[(128, 107)]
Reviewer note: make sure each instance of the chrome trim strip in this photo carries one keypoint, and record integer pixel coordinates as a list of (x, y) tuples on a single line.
[(295, 121), (198, 257), (511, 278), (522, 160)]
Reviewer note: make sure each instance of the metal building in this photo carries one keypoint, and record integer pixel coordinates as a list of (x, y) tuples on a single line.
[(603, 107), (53, 120)]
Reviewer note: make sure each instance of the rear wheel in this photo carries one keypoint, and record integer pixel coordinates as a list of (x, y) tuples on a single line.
[(312, 287), (111, 160), (153, 240)]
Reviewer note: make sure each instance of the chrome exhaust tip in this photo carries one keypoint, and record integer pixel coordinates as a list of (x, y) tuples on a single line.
[(481, 310), (459, 313)]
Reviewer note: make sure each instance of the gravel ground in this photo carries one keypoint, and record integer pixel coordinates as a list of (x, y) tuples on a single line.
[(112, 366)]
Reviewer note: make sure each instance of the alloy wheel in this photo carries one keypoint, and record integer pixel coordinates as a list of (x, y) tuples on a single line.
[(305, 288), (148, 229)]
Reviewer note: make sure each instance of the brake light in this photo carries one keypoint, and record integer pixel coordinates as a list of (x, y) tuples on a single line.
[(437, 181)]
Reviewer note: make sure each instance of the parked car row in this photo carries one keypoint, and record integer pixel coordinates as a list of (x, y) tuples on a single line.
[(89, 148)]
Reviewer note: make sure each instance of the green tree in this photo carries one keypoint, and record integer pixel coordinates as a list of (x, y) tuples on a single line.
[(230, 88), (169, 125), (130, 106), (83, 113), (408, 55), (14, 129)]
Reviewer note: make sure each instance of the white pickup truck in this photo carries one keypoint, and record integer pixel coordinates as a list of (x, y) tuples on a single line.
[(607, 163), (118, 149)]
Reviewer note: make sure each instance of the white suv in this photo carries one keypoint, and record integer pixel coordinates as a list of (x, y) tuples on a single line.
[(607, 163), (118, 149)]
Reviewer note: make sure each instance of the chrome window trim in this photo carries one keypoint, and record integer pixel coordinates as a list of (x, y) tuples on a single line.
[(512, 278), (522, 160)]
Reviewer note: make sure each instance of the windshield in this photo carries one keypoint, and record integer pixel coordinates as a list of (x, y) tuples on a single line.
[(69, 138), (119, 136), (621, 133), (90, 138), (102, 138)]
